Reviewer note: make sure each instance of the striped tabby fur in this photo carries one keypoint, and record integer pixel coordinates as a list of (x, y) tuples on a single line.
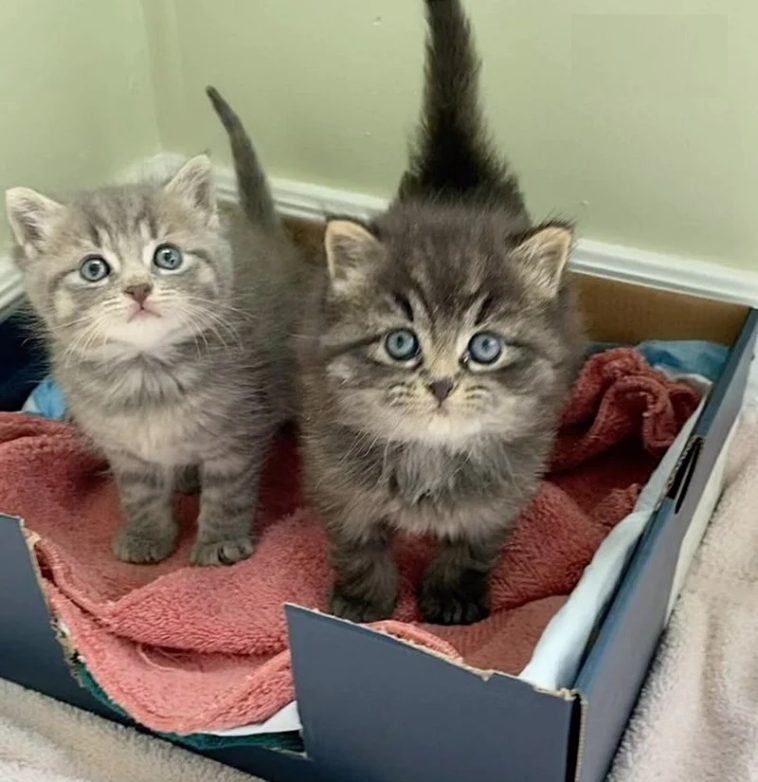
[(177, 376)]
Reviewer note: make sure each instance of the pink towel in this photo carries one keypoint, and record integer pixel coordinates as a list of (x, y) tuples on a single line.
[(187, 650)]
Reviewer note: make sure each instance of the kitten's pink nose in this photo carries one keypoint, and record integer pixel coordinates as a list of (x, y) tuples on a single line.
[(139, 292), (441, 388)]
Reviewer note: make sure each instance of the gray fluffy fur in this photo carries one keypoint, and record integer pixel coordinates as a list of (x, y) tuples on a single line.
[(455, 254), (195, 391)]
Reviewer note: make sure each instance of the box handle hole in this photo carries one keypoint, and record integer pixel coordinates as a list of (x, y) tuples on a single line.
[(681, 482)]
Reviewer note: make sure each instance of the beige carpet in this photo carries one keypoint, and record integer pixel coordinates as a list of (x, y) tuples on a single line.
[(697, 718), (42, 740)]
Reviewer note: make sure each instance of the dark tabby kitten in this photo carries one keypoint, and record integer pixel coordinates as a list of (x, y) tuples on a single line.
[(439, 352), (167, 323)]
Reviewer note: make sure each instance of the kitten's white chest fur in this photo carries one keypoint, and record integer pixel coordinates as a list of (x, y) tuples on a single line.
[(175, 432), (168, 437), (424, 481)]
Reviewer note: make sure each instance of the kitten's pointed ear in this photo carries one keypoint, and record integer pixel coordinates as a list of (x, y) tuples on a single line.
[(194, 182), (31, 216), (351, 251), (544, 257)]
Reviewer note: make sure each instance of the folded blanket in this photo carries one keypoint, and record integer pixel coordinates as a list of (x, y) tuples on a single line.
[(187, 650), (697, 718)]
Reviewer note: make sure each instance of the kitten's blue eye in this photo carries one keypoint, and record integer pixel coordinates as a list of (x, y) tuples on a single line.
[(485, 348), (401, 344), (94, 269), (168, 257)]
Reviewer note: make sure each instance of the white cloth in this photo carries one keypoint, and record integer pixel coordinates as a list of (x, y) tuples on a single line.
[(697, 718), (286, 719), (43, 740)]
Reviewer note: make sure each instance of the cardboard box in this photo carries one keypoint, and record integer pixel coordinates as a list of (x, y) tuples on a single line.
[(375, 709)]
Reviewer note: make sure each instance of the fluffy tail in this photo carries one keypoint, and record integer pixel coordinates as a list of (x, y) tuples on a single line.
[(254, 192), (452, 157)]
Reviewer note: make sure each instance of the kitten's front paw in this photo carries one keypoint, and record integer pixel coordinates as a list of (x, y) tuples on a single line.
[(143, 549), (360, 610), (221, 552), (453, 607)]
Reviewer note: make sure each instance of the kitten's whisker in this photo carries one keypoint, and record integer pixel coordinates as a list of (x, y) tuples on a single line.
[(187, 322), (213, 319), (218, 308), (78, 342), (201, 320)]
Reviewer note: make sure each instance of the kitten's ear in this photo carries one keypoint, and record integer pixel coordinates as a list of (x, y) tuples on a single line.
[(195, 184), (31, 216), (351, 251), (544, 256)]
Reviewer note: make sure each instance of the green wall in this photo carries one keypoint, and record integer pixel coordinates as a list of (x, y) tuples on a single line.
[(638, 117), (77, 99)]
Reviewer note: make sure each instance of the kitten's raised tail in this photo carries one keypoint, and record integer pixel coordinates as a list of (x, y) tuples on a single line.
[(452, 156), (252, 184)]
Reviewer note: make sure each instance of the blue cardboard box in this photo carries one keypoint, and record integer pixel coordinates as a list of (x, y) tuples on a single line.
[(375, 709)]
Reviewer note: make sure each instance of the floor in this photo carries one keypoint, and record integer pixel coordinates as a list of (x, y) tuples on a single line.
[(42, 740)]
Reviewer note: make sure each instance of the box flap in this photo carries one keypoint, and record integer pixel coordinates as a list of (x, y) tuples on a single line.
[(375, 709), (31, 655), (619, 312)]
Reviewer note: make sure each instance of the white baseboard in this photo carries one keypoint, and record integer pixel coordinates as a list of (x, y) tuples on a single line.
[(671, 272)]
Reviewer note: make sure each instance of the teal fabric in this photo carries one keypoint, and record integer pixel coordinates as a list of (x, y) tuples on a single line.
[(284, 742), (684, 357), (46, 401)]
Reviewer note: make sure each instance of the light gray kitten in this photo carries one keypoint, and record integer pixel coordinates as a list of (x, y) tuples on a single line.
[(167, 322), (442, 344)]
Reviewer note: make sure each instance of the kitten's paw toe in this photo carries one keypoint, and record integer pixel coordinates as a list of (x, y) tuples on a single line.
[(453, 608), (221, 552), (360, 610), (143, 549)]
